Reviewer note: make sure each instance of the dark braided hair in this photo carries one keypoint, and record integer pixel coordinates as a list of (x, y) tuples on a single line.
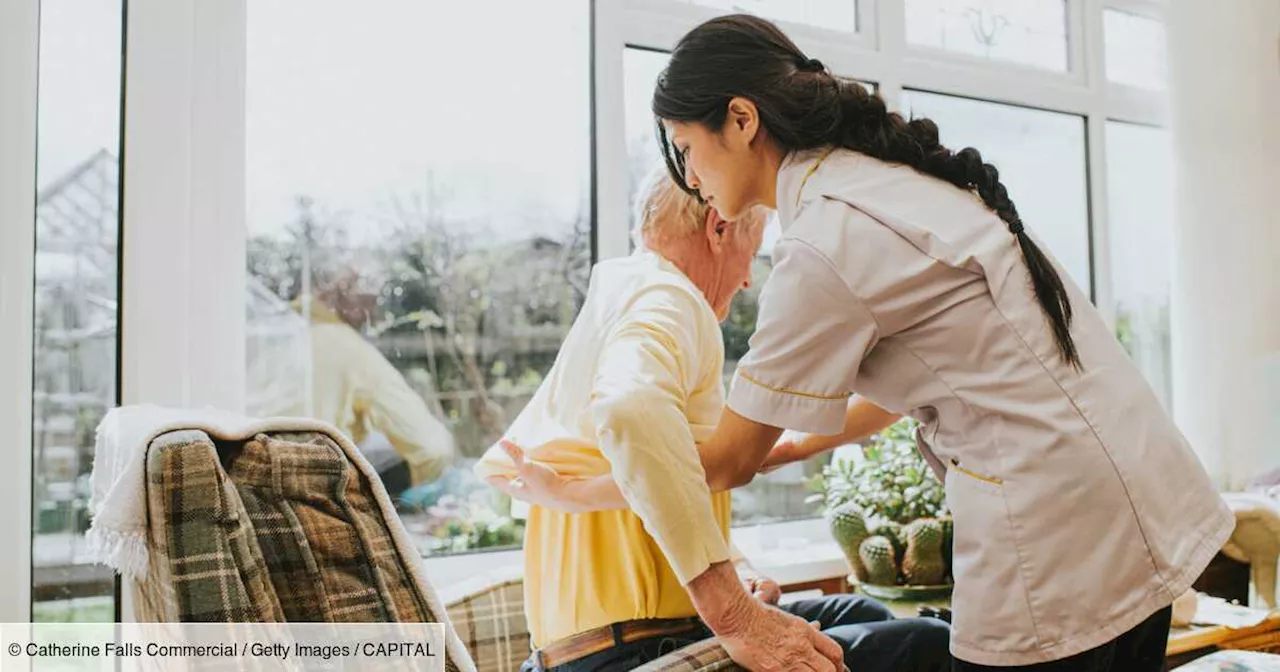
[(803, 106)]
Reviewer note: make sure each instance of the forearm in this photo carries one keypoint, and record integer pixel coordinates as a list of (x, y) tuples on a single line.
[(861, 421), (735, 452), (720, 598)]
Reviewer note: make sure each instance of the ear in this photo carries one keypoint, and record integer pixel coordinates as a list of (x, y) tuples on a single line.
[(716, 228), (743, 119)]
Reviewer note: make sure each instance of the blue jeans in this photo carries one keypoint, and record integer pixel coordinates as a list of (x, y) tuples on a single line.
[(872, 639)]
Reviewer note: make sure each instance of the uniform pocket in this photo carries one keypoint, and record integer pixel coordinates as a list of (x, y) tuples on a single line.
[(980, 477), (990, 609)]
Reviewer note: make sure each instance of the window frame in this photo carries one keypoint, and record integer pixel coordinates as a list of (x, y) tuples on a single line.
[(183, 171), (19, 68)]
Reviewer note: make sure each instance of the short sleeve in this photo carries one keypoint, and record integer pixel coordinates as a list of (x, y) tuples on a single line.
[(812, 333)]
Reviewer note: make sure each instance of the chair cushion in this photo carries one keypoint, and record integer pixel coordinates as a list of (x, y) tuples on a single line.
[(492, 625)]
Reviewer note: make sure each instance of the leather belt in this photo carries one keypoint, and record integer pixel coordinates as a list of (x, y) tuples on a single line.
[(594, 641)]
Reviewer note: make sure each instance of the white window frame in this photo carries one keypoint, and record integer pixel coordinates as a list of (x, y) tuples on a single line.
[(19, 68), (183, 170), (183, 209), (183, 212)]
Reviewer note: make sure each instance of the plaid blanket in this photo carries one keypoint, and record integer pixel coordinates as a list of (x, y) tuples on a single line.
[(280, 527)]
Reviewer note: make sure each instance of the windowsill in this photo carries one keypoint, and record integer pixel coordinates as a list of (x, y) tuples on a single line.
[(792, 552)]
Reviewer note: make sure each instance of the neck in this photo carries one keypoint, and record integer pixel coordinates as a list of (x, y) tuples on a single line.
[(770, 164), (697, 265)]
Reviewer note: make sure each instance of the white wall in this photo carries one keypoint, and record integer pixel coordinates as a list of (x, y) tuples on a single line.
[(1225, 72)]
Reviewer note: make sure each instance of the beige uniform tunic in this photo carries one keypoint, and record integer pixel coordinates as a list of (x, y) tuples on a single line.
[(1079, 508)]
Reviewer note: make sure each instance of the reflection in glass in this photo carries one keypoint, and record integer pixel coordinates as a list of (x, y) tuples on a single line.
[(1140, 225), (1027, 32), (419, 231)]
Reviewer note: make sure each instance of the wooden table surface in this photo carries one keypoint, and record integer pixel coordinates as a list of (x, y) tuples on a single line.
[(1182, 640)]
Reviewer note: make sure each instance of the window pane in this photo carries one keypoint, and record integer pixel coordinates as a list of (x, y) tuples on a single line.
[(1135, 49), (1041, 157), (1028, 32), (1140, 225), (419, 229), (77, 266), (830, 14)]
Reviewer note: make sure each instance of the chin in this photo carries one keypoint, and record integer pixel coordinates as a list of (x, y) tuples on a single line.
[(728, 214)]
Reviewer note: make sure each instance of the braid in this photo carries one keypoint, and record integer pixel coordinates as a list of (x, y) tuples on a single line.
[(868, 127)]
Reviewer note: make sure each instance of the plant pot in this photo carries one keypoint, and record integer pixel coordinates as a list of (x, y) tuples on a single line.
[(905, 592)]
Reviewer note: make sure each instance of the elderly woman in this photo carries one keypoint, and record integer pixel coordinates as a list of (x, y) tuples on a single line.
[(637, 384)]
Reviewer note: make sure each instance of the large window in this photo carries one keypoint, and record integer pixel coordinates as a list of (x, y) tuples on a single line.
[(421, 184), (1041, 158), (419, 229), (76, 265), (1140, 209)]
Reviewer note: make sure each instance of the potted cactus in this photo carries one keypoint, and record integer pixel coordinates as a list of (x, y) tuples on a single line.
[(888, 513)]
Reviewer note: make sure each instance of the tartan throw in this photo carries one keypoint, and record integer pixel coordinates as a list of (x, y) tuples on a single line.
[(215, 566), (492, 625), (292, 530), (315, 523)]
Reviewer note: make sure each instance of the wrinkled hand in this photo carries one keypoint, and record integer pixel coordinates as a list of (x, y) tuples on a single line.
[(772, 640), (534, 482), (765, 589)]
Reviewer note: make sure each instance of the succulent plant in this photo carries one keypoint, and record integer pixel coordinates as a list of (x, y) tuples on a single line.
[(849, 528), (894, 483), (922, 563), (877, 556), (888, 513)]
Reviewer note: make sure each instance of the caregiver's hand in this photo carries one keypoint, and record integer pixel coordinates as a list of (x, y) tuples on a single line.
[(784, 452), (534, 482)]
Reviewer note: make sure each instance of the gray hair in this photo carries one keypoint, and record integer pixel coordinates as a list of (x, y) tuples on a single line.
[(665, 211)]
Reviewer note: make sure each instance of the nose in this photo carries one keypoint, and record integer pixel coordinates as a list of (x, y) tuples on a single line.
[(691, 178), (746, 284)]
